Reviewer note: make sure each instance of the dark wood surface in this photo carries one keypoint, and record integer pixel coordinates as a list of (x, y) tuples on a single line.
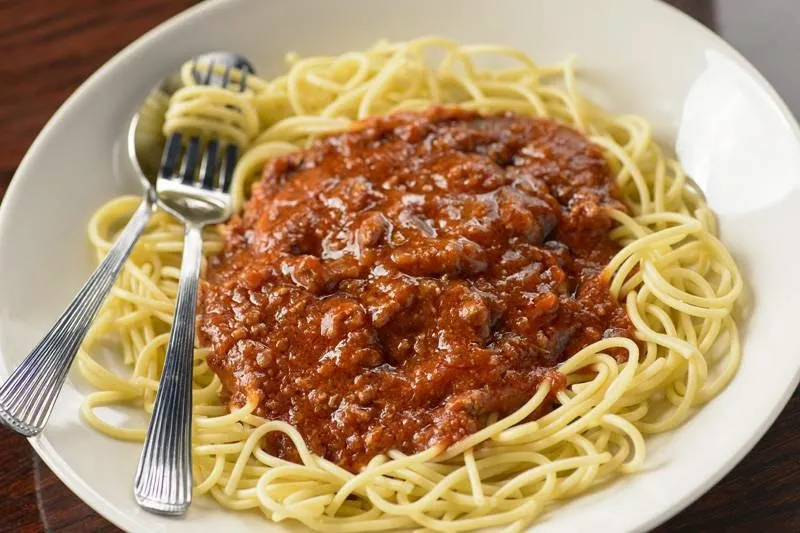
[(50, 46)]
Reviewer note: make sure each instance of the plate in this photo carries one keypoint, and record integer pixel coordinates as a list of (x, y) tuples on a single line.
[(727, 125)]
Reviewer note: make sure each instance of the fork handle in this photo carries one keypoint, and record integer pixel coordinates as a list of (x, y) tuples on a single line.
[(164, 476), (28, 395)]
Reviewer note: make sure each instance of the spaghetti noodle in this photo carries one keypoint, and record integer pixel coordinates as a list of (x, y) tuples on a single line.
[(678, 283)]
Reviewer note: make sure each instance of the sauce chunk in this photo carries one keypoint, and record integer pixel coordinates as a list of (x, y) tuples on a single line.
[(392, 286)]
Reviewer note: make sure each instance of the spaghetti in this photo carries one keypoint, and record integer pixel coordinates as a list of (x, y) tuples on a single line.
[(678, 283)]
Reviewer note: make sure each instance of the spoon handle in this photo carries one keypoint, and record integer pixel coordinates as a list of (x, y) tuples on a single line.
[(164, 476), (28, 395)]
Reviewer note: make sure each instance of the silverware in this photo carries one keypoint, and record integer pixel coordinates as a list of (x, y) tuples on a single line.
[(28, 395), (163, 481)]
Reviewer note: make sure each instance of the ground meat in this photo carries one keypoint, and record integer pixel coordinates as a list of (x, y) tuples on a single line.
[(391, 287)]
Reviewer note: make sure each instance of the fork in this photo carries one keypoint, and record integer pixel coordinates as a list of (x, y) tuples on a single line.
[(163, 482)]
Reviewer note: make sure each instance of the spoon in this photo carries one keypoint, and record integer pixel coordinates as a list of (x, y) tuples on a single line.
[(28, 395)]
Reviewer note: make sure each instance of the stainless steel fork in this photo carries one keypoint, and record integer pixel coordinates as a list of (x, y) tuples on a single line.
[(164, 476)]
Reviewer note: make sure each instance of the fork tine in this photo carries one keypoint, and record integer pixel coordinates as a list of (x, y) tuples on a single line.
[(171, 154), (190, 161), (244, 70), (207, 79), (195, 72), (228, 166), (208, 167), (210, 164), (226, 76)]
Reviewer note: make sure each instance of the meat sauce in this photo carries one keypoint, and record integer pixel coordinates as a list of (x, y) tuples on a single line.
[(392, 286)]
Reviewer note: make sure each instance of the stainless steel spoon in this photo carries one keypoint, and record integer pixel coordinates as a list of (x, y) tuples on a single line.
[(28, 395)]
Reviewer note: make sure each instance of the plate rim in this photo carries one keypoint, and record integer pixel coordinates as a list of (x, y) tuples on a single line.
[(91, 496)]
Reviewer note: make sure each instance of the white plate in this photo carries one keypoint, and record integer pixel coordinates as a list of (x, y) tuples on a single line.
[(730, 129)]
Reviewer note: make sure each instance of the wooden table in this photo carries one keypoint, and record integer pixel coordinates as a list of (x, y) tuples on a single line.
[(50, 46)]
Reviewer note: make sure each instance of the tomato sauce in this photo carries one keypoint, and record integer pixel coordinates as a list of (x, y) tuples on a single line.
[(392, 286)]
